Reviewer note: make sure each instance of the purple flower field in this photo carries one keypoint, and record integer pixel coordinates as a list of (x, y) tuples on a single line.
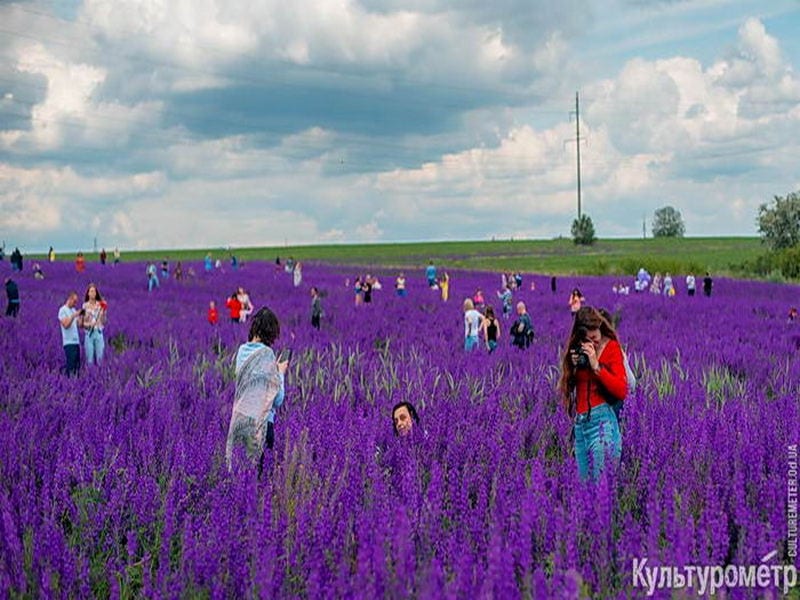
[(114, 483)]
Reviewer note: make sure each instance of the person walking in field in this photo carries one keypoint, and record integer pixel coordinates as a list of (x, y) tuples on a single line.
[(691, 284), (472, 325), (669, 288), (444, 285), (259, 387), (297, 274), (507, 299), (708, 283), (400, 285), (316, 309), (93, 321), (213, 313), (152, 277), (68, 319), (491, 329), (575, 301), (234, 308), (12, 295), (245, 305), (358, 290), (522, 329), (430, 274)]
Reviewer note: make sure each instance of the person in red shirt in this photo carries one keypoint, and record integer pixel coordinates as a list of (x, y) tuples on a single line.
[(213, 314), (592, 379), (234, 307)]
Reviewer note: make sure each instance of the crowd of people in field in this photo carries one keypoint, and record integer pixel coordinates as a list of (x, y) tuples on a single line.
[(595, 374)]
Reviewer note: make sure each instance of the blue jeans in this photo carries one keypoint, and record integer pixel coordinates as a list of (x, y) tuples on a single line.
[(492, 345), (95, 346), (470, 342), (72, 353), (597, 438), (152, 282)]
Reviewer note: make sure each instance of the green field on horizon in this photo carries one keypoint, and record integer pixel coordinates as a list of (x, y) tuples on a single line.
[(719, 255)]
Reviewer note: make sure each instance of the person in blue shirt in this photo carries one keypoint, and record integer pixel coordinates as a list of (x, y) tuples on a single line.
[(506, 297), (522, 329), (430, 273), (207, 263), (68, 318)]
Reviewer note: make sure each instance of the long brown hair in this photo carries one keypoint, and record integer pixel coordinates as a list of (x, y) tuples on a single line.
[(587, 317)]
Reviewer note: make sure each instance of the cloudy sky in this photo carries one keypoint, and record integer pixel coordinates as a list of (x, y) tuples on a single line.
[(205, 123)]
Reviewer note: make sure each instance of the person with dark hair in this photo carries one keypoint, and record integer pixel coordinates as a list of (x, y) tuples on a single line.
[(575, 301), (103, 256), (80, 262), (234, 307), (12, 293), (708, 283), (316, 308), (553, 284), (93, 321), (366, 288), (259, 389), (491, 329), (16, 260), (404, 417), (68, 318), (245, 305), (592, 377), (358, 291)]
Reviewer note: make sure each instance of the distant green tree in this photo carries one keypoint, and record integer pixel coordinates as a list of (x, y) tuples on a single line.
[(583, 231), (779, 223), (668, 222)]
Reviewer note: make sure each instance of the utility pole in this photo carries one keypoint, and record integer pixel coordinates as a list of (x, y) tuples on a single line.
[(644, 227), (577, 113)]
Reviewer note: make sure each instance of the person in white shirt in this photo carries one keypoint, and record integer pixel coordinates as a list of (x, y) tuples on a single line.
[(472, 324), (691, 284)]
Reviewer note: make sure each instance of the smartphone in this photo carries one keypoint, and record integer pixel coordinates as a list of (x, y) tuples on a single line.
[(285, 355)]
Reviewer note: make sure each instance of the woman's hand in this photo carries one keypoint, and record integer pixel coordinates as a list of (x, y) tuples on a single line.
[(282, 366), (591, 354)]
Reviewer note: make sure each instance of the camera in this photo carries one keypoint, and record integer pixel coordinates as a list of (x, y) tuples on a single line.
[(583, 358)]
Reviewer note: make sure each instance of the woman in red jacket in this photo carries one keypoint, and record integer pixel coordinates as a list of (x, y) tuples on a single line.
[(593, 377), (234, 307)]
